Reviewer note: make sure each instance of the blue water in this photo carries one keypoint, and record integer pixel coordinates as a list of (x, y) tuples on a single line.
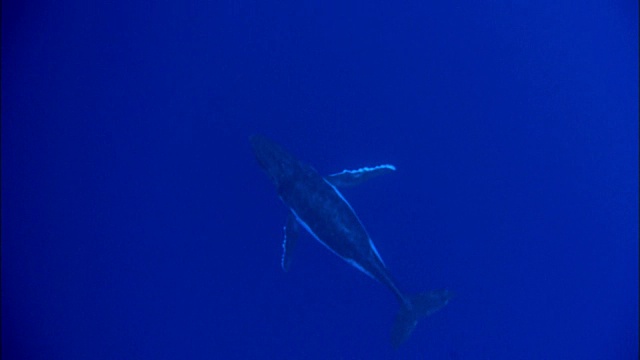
[(136, 223)]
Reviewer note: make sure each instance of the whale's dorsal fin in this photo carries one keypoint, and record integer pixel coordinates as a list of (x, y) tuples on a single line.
[(348, 178), (290, 240)]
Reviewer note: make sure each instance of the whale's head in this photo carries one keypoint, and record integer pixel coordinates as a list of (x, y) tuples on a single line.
[(279, 165)]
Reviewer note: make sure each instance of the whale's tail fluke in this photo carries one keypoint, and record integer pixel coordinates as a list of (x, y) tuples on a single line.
[(416, 308)]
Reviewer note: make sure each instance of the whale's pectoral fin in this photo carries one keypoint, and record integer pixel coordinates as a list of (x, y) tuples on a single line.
[(348, 178), (290, 240)]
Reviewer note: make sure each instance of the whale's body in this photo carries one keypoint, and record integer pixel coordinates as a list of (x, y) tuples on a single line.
[(317, 205)]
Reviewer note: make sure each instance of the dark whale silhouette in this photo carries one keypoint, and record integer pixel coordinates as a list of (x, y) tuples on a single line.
[(316, 204)]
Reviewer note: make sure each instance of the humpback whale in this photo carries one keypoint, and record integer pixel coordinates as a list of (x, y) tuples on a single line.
[(316, 204)]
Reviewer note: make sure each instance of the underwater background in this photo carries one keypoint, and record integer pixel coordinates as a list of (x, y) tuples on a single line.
[(136, 223)]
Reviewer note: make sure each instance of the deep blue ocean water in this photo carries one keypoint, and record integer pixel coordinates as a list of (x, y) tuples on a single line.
[(136, 223)]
